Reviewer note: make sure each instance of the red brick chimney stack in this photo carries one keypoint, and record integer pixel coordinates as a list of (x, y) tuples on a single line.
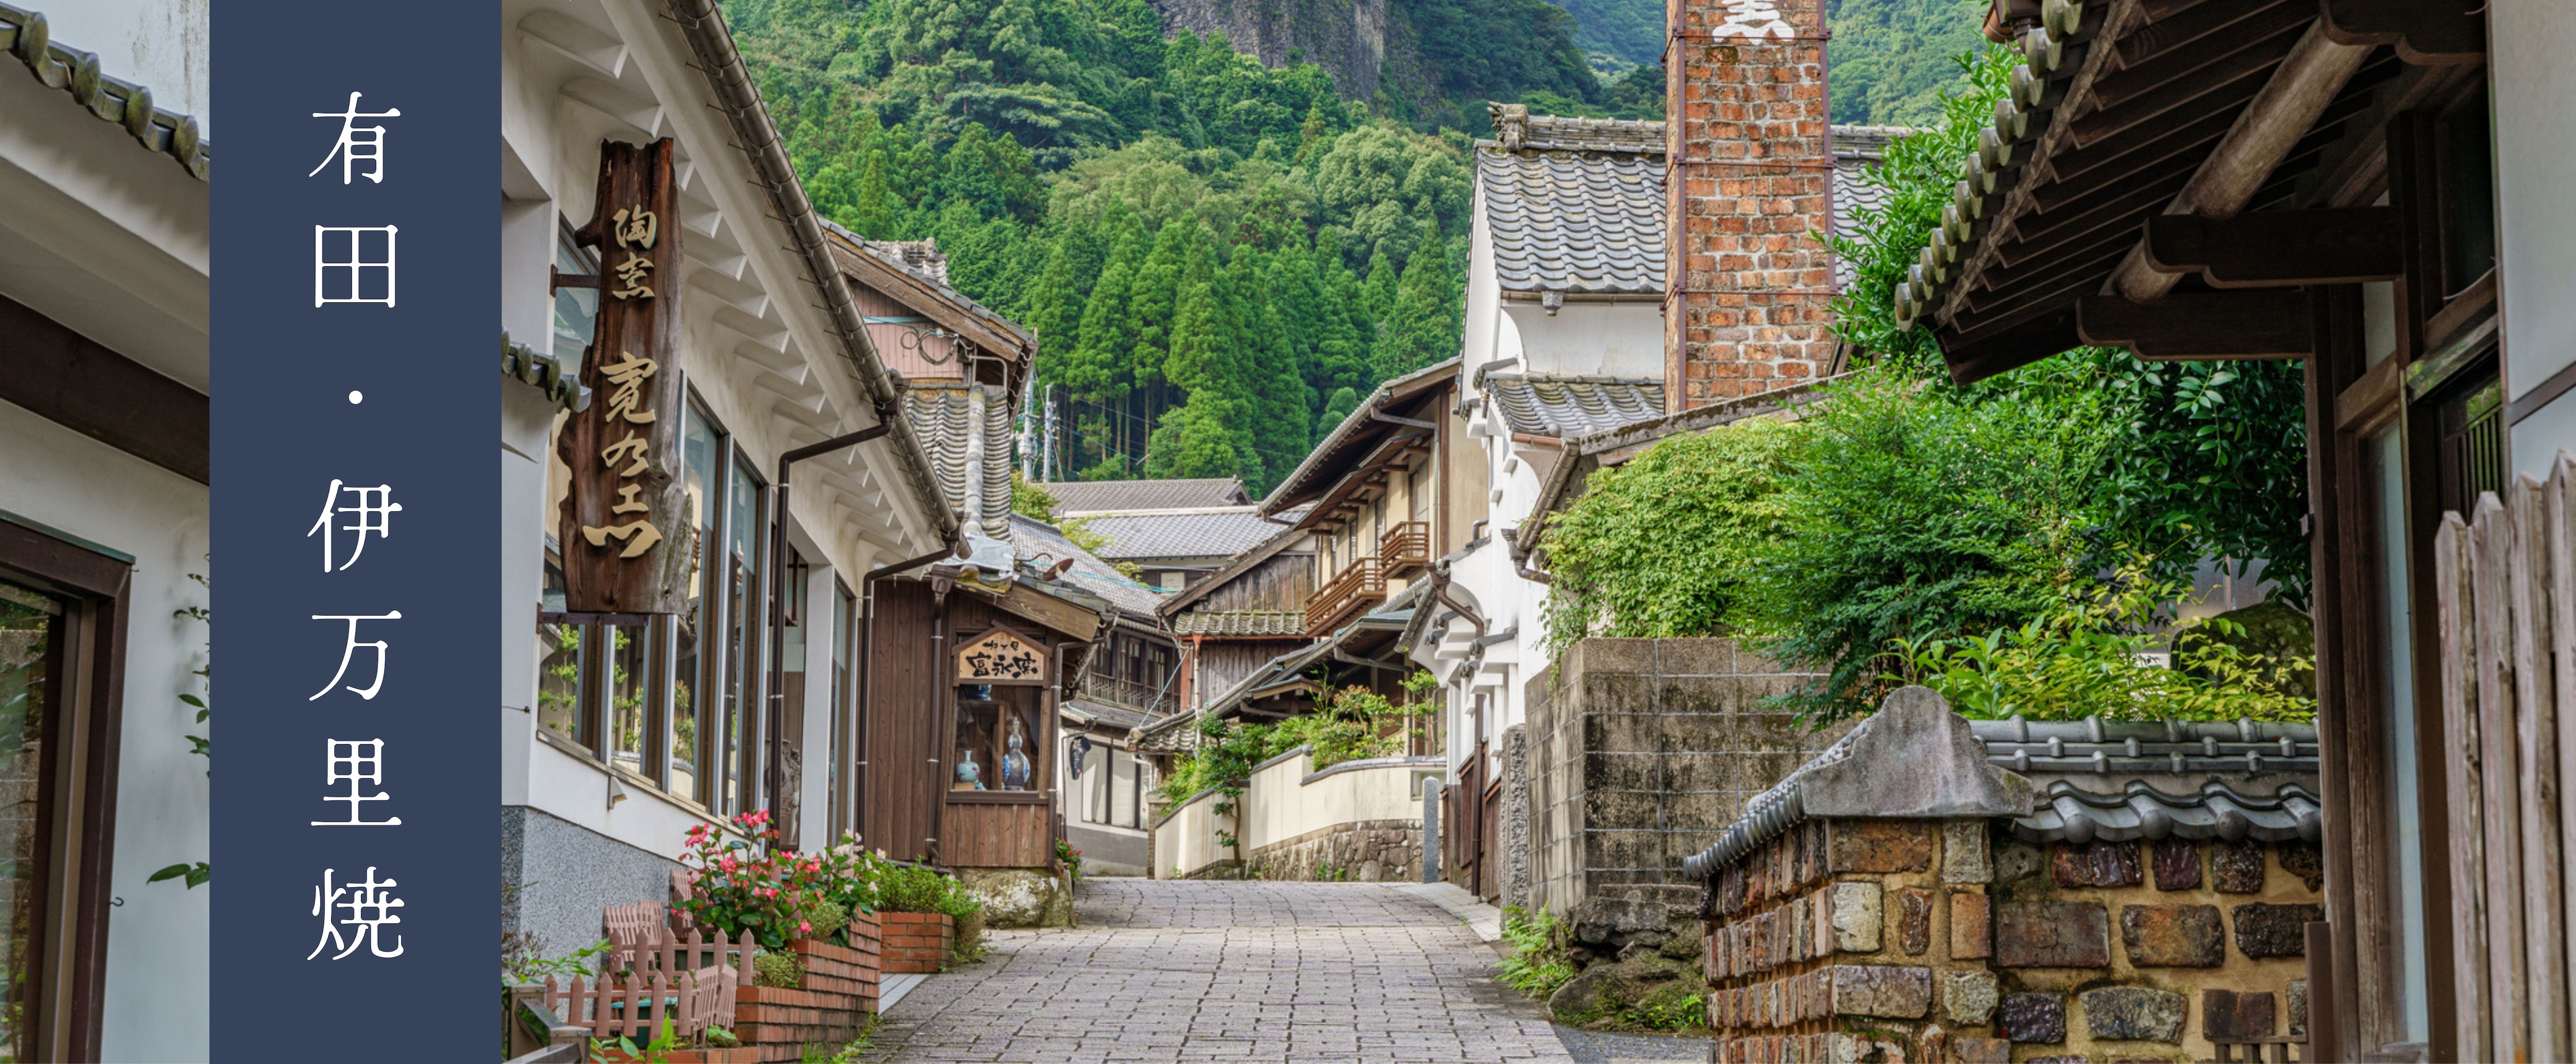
[(1748, 285)]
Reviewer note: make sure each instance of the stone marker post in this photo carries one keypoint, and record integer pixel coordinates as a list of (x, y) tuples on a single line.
[(1430, 831)]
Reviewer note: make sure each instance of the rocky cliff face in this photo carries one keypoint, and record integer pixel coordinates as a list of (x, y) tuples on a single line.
[(1345, 37)]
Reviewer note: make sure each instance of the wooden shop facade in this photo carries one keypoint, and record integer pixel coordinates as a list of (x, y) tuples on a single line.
[(2377, 190)]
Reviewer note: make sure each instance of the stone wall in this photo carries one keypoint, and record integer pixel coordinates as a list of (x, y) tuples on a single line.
[(1514, 818), (1941, 941), (1368, 851), (1640, 753), (566, 875)]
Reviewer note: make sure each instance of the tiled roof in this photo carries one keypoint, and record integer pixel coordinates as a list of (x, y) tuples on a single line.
[(1215, 532), (1289, 623), (1577, 205), (920, 256), (1564, 407), (942, 417), (544, 373), (1587, 222), (24, 34), (1097, 496), (1032, 537), (2070, 781)]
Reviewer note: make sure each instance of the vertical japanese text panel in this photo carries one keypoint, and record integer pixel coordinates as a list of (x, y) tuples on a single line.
[(356, 510)]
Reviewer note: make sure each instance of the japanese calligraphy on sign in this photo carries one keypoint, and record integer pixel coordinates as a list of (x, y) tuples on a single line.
[(999, 656), (625, 522)]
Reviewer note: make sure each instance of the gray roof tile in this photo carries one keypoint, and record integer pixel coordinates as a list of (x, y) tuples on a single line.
[(941, 417), (1579, 207), (1215, 532), (1543, 405), (1031, 538), (25, 35), (1096, 496)]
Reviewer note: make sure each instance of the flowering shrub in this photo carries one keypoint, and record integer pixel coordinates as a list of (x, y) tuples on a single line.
[(755, 889)]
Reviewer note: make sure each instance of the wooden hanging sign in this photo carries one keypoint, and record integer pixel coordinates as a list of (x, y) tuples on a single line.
[(628, 535), (1000, 656)]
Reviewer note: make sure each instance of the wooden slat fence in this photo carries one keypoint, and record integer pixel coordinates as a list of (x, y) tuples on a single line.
[(2505, 578), (653, 970)]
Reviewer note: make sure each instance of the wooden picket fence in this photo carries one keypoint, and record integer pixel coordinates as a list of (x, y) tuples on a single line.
[(653, 971), (2506, 580)]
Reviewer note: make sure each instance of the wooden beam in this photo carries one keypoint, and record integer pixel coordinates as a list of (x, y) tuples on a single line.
[(2203, 64), (2283, 112), (1974, 359), (2426, 32), (83, 385), (2277, 249), (2270, 323)]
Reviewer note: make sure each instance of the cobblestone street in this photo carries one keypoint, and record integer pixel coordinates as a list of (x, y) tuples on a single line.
[(1183, 971)]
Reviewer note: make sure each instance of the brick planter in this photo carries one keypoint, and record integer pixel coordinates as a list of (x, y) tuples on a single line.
[(917, 942), (827, 1008)]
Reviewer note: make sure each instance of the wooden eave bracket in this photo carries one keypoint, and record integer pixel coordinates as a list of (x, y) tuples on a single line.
[(2198, 326), (2426, 32), (2279, 249)]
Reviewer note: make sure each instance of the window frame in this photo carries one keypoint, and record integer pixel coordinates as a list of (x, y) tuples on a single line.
[(78, 839)]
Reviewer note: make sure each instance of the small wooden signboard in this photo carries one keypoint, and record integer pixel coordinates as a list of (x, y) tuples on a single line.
[(1001, 656), (628, 536)]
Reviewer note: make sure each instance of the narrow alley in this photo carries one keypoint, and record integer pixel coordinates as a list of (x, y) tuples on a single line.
[(1164, 970)]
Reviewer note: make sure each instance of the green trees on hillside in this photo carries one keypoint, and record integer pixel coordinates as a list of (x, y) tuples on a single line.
[(1208, 251)]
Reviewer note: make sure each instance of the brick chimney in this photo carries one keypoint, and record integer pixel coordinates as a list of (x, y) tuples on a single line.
[(1747, 300)]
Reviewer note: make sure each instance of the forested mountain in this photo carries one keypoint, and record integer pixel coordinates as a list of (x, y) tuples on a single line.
[(1891, 58), (1216, 257)]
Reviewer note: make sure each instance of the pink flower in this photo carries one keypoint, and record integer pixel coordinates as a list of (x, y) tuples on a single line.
[(806, 926)]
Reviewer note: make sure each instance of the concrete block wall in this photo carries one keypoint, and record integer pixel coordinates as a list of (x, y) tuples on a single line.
[(1640, 753), (1952, 941)]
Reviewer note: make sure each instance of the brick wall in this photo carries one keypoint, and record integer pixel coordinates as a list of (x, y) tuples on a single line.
[(827, 1008), (1929, 940), (1640, 753), (917, 942), (1746, 309)]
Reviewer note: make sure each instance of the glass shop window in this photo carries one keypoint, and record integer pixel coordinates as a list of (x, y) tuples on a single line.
[(576, 309), (2385, 455), (629, 663), (999, 744), (559, 666), (744, 566), (702, 484), (845, 627)]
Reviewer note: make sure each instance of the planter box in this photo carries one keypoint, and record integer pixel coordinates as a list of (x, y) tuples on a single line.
[(917, 942), (828, 1007), (736, 1055)]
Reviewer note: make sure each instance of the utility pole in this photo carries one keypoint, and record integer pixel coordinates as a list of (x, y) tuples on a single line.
[(1028, 424), (1046, 461)]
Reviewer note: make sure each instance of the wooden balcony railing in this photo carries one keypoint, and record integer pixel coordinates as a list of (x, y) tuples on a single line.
[(1405, 548), (1154, 701), (1362, 584)]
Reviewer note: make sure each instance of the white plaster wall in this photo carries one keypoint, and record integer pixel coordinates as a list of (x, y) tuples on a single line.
[(1186, 840), (2532, 81), (159, 44), (1623, 339), (1281, 805), (158, 939)]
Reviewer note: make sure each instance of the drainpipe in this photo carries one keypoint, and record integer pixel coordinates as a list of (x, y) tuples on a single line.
[(868, 673), (775, 719)]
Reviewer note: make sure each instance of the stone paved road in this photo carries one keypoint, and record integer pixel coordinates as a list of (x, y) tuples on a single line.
[(1232, 971)]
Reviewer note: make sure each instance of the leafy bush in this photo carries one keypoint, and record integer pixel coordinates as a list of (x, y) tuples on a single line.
[(1661, 545), (784, 971), (1534, 959), (1913, 512), (2093, 656), (912, 889)]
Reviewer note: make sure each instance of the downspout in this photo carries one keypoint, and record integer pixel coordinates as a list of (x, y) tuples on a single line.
[(774, 764), (1521, 558), (868, 674)]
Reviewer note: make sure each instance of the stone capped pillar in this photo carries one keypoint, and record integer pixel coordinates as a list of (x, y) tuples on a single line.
[(1750, 278)]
